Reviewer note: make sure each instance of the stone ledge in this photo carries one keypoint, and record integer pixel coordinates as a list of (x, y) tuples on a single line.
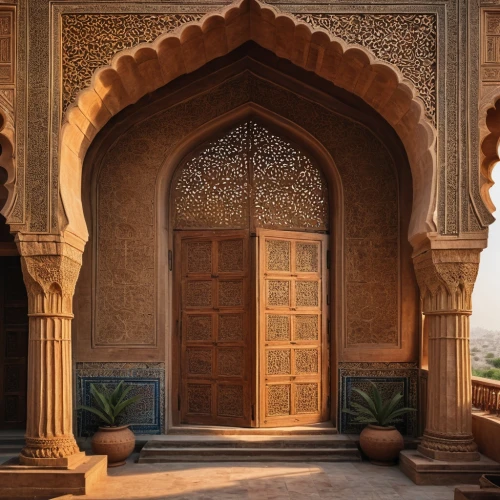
[(426, 471), (18, 481)]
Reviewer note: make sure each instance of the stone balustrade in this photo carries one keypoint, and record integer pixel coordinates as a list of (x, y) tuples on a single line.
[(486, 395)]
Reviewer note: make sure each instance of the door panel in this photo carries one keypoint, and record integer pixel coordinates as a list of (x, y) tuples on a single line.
[(13, 344), (215, 342), (293, 343)]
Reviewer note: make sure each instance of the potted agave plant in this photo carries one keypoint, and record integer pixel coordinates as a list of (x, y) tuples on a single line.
[(114, 440), (380, 440)]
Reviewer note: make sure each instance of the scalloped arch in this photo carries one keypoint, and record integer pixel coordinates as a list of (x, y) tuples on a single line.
[(489, 130), (7, 161), (147, 67)]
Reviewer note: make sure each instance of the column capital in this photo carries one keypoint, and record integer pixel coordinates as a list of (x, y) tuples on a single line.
[(51, 267), (446, 279)]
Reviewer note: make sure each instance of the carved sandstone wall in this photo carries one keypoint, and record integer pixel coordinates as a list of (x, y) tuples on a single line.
[(125, 240)]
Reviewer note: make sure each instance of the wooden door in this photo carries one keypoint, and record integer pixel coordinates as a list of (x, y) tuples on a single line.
[(216, 353), (13, 344), (293, 340)]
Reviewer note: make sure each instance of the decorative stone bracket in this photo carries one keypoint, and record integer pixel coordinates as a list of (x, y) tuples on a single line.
[(446, 279), (50, 269)]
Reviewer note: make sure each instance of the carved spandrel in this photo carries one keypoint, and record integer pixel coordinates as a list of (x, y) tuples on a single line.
[(409, 41), (90, 41)]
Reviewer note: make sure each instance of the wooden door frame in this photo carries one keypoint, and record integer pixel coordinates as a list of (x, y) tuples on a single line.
[(336, 208)]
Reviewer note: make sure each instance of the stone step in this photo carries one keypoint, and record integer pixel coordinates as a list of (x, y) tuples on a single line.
[(261, 442), (324, 428), (212, 454)]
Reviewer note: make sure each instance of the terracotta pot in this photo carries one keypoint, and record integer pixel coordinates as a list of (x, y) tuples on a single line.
[(115, 442), (381, 444)]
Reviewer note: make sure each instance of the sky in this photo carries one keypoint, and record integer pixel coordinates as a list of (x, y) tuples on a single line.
[(486, 295)]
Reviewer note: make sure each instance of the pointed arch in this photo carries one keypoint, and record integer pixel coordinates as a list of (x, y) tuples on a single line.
[(134, 73)]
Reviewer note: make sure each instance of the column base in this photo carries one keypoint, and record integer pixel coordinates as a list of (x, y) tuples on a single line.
[(449, 448), (425, 471), (28, 482), (69, 462), (450, 456)]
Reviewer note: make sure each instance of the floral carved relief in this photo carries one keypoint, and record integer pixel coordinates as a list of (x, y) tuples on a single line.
[(90, 41), (409, 41)]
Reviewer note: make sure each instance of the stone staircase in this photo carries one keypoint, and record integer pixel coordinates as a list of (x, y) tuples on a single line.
[(250, 448)]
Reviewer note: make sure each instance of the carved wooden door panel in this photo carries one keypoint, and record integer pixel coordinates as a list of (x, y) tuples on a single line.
[(215, 341), (293, 341)]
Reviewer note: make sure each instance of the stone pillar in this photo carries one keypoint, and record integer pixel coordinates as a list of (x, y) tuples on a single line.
[(50, 270), (446, 279)]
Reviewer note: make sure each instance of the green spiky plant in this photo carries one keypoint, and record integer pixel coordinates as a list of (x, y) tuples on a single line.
[(377, 411), (110, 404)]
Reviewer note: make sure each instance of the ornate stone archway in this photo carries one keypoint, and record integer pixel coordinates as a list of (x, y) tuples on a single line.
[(145, 68)]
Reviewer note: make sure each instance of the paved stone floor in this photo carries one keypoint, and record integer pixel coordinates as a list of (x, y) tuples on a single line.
[(259, 481)]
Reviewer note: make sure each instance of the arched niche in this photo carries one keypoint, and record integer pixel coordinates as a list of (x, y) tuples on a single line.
[(198, 108)]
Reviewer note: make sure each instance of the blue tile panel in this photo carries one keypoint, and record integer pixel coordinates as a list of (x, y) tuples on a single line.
[(389, 377), (146, 379)]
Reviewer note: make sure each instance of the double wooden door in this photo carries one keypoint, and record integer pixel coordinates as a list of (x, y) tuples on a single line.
[(253, 328)]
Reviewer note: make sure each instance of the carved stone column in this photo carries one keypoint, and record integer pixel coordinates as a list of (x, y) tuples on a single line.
[(446, 279), (50, 270)]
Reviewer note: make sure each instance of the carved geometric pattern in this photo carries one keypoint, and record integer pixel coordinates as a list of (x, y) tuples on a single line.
[(6, 47), (306, 398), (278, 293), (231, 293), (214, 189), (230, 328), (90, 41), (278, 361), (230, 362), (278, 327), (278, 255), (230, 256), (199, 257), (306, 327), (211, 189), (199, 398), (198, 328), (307, 293), (230, 400), (199, 361), (306, 260), (278, 400), (198, 293), (492, 52), (306, 361), (289, 190), (409, 41)]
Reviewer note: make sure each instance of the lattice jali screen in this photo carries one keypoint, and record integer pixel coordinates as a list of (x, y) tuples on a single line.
[(250, 177)]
